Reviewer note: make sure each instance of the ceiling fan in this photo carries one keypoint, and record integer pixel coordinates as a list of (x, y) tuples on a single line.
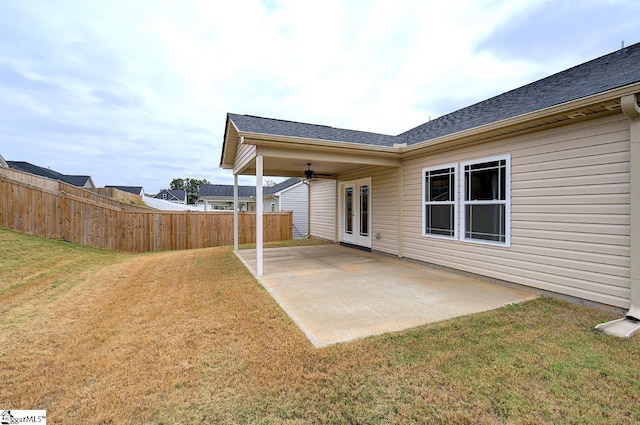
[(310, 174)]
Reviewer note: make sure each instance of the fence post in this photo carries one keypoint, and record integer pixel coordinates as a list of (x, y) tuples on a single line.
[(2, 201), (62, 211), (187, 246), (123, 221)]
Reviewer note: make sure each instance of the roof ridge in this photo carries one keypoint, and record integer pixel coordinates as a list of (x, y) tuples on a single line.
[(290, 121)]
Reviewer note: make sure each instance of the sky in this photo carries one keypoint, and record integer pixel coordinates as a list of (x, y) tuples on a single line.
[(136, 92)]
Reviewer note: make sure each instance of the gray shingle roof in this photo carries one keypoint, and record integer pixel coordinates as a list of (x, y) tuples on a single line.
[(79, 181), (177, 194), (608, 72), (281, 186), (225, 190), (34, 169), (27, 167), (253, 124), (136, 190)]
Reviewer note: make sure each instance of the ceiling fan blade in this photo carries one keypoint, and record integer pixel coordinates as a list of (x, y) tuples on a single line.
[(310, 174)]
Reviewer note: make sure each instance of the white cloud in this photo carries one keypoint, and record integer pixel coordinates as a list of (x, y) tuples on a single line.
[(136, 92)]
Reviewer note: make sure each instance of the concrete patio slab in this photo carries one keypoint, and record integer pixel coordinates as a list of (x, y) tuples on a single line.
[(338, 294)]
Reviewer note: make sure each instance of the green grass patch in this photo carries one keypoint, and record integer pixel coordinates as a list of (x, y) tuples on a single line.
[(190, 337), (38, 269)]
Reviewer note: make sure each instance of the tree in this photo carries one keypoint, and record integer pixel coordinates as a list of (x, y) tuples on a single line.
[(191, 185)]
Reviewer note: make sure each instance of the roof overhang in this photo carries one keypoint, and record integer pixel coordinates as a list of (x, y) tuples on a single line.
[(229, 144), (289, 156), (287, 160)]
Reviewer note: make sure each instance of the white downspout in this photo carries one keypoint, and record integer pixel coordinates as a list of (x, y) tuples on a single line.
[(630, 325), (631, 109)]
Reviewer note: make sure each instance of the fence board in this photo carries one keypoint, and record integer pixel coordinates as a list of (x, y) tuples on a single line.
[(73, 215), (114, 193)]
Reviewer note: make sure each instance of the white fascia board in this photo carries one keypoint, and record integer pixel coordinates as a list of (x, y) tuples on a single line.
[(224, 163), (256, 138)]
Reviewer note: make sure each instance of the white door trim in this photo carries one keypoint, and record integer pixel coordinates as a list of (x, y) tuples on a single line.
[(360, 232)]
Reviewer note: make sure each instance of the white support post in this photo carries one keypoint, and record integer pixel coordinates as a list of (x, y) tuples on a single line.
[(235, 212), (259, 211)]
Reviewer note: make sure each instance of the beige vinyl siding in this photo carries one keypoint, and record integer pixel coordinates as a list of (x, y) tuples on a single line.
[(323, 209), (384, 205), (569, 212), (244, 155)]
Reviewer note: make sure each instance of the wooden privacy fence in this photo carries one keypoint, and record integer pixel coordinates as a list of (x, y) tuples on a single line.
[(115, 193), (57, 185), (57, 214)]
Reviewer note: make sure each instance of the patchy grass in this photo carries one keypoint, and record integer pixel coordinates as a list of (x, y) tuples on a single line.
[(190, 337)]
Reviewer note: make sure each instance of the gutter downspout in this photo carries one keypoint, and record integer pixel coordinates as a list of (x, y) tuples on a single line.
[(630, 325), (631, 109)]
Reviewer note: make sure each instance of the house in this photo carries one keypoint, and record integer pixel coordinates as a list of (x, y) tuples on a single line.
[(220, 197), (538, 186), (136, 190), (175, 196), (290, 195), (85, 182), (3, 163)]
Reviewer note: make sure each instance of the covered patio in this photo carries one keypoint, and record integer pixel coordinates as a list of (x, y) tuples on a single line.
[(337, 294)]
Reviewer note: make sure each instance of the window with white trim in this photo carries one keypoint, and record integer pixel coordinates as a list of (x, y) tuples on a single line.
[(440, 212), (486, 200)]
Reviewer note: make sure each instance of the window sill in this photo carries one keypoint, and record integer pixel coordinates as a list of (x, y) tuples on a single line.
[(490, 243)]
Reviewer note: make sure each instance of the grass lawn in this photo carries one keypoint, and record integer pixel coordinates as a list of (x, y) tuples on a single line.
[(190, 337)]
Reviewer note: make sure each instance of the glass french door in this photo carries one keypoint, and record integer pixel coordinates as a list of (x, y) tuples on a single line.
[(355, 216)]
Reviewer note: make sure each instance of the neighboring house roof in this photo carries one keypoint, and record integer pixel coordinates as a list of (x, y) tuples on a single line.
[(225, 191), (3, 163), (136, 190), (27, 167), (76, 180), (608, 72), (174, 194), (281, 186)]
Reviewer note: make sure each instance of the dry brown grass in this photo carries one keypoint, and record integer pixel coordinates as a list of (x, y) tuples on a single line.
[(191, 337)]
